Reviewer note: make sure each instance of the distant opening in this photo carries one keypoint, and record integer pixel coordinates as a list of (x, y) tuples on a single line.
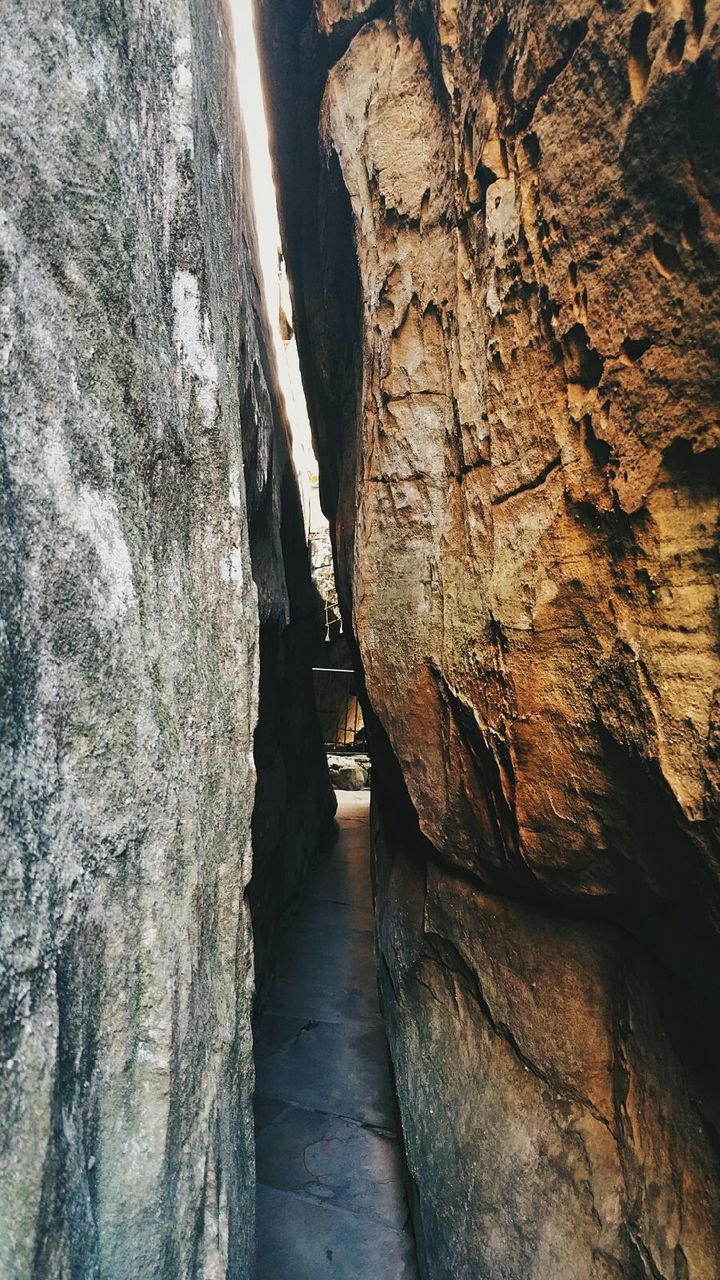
[(330, 1173), (334, 680), (339, 709), (274, 278)]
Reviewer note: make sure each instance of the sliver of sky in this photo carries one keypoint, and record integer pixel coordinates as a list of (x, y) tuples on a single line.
[(253, 110)]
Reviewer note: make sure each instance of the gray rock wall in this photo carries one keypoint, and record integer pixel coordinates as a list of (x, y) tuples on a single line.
[(136, 388)]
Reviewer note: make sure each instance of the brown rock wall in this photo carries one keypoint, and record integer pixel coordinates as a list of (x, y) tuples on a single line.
[(502, 227)]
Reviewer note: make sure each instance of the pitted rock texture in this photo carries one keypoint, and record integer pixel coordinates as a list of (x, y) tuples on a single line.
[(502, 227), (135, 383)]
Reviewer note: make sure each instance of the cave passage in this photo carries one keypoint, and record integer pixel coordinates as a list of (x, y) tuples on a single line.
[(490, 263), (330, 1175), (331, 1198)]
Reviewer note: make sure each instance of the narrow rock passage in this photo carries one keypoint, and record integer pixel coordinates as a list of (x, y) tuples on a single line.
[(331, 1199)]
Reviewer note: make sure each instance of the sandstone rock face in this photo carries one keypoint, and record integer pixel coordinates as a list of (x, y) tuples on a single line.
[(136, 389), (502, 227)]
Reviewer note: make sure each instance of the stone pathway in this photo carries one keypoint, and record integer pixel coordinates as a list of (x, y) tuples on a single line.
[(331, 1200)]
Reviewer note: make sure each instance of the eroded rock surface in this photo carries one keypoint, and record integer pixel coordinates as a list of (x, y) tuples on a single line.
[(136, 390), (502, 227)]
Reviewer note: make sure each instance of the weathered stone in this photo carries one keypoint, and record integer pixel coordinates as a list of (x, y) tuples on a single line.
[(135, 379), (349, 773), (502, 228)]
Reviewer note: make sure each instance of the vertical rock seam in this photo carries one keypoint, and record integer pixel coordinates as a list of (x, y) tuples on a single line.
[(502, 226), (146, 483)]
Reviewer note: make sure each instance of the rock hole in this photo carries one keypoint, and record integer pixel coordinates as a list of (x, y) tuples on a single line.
[(531, 147), (581, 304), (698, 18), (665, 256), (468, 147), (598, 449), (484, 178), (558, 230), (583, 364), (494, 52), (690, 467), (634, 348), (676, 44), (639, 59), (690, 227)]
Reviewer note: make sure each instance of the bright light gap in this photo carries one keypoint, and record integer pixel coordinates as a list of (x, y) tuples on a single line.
[(273, 277)]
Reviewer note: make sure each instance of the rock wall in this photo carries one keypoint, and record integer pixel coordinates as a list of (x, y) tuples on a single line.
[(136, 389), (502, 226)]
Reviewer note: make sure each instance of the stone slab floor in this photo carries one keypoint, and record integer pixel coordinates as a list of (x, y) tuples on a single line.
[(331, 1200)]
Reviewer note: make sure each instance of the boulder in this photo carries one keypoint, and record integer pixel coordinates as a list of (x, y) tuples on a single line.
[(349, 773)]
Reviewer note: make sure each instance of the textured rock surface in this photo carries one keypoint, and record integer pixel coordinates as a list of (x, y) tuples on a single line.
[(135, 382), (502, 227)]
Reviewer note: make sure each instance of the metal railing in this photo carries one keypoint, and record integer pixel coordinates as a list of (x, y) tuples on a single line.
[(339, 710)]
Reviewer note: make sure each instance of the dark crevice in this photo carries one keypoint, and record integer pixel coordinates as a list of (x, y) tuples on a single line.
[(583, 364), (570, 37), (535, 483), (343, 33), (494, 52), (638, 56), (634, 348)]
